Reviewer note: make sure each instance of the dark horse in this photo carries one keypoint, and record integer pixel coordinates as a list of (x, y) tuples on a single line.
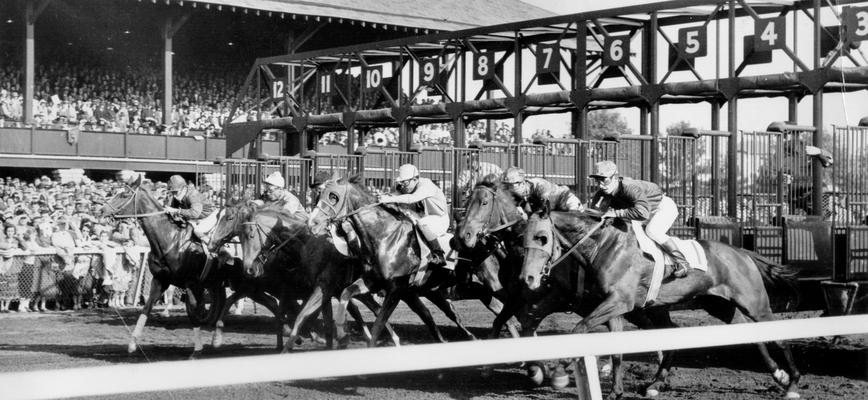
[(175, 259), (734, 289), (305, 266), (385, 238), (262, 290)]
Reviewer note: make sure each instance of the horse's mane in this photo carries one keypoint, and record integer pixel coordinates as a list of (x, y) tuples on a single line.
[(359, 196)]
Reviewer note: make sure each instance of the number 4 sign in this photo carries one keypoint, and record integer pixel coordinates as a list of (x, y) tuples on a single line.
[(769, 34)]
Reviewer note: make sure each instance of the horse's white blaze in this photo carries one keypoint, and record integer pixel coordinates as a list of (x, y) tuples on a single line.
[(218, 335), (197, 339), (137, 332)]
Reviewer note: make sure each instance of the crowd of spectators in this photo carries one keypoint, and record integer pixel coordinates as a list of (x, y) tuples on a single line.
[(95, 98), (45, 216)]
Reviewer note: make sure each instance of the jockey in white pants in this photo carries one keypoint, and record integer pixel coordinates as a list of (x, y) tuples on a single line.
[(639, 200), (413, 189)]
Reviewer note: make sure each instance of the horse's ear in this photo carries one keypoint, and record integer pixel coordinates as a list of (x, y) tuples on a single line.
[(356, 179), (137, 182), (546, 207)]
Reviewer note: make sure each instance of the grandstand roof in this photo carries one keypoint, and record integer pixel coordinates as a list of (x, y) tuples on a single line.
[(439, 15)]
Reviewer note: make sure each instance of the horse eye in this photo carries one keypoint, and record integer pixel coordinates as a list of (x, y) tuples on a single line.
[(230, 217), (485, 202), (542, 239), (333, 198)]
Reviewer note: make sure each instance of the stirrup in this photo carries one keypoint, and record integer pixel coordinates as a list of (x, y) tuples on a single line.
[(681, 270)]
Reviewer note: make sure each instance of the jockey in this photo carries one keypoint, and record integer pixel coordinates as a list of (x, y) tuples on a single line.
[(531, 193), (275, 194), (188, 204), (413, 189), (638, 200)]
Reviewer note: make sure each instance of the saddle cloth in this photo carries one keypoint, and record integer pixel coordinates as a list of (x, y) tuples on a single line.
[(690, 248)]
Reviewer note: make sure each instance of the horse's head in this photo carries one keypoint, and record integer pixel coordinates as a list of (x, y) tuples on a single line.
[(544, 237), (133, 201), (229, 224), (489, 209), (541, 249), (264, 233), (337, 200)]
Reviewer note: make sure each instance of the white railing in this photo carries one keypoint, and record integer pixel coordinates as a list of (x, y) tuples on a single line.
[(172, 375)]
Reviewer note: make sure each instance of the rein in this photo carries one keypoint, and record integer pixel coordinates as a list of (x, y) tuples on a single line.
[(265, 255), (132, 199), (570, 251)]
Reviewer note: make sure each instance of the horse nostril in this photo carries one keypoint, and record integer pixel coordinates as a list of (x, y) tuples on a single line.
[(529, 280)]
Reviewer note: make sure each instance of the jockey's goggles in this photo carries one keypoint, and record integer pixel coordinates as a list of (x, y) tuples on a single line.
[(603, 180), (407, 182)]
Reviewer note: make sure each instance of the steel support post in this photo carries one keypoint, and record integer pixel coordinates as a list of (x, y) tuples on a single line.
[(650, 55), (732, 124), (817, 192), (715, 159)]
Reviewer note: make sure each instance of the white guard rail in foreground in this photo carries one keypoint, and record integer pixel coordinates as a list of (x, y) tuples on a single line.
[(171, 375)]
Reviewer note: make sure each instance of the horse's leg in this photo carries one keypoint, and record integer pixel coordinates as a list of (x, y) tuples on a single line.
[(656, 318), (157, 288), (446, 306), (348, 293), (368, 300), (389, 304), (273, 306), (194, 310), (311, 306), (614, 305), (787, 379), (217, 337)]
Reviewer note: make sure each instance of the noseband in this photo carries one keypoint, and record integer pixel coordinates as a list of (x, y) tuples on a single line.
[(557, 252), (266, 254)]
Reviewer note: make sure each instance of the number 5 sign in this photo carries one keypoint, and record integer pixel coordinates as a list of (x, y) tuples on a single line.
[(769, 34), (692, 42), (616, 50)]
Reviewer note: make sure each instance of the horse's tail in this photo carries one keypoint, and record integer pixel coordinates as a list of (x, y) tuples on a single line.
[(780, 280)]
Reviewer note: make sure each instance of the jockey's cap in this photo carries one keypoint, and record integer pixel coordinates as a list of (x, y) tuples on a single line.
[(275, 179), (513, 175), (605, 169), (407, 172), (176, 183)]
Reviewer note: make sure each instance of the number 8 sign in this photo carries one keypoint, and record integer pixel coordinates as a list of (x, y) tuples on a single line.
[(616, 50), (483, 66)]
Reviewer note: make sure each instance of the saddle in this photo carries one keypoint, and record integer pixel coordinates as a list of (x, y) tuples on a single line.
[(692, 250)]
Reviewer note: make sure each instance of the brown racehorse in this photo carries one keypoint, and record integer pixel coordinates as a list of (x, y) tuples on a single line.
[(175, 258), (734, 289), (386, 239), (283, 248)]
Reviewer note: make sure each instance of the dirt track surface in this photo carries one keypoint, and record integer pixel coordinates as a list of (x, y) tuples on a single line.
[(57, 340)]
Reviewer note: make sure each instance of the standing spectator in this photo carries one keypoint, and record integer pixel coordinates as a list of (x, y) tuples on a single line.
[(9, 246)]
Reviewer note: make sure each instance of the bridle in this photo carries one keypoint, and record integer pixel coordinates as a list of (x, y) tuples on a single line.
[(557, 252), (486, 233), (132, 199), (336, 213), (266, 254)]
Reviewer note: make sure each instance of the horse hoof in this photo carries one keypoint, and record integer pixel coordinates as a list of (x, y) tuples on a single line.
[(217, 343), (782, 377), (131, 348), (560, 379), (793, 395), (196, 354), (536, 374), (652, 393)]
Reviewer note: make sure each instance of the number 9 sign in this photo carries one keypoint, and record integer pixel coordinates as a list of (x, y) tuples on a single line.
[(429, 70), (616, 50)]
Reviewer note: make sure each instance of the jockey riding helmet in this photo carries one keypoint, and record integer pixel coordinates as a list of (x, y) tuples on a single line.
[(408, 177), (516, 181), (275, 179), (606, 175)]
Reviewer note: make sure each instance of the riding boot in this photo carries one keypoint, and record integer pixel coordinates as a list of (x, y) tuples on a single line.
[(682, 267), (437, 256)]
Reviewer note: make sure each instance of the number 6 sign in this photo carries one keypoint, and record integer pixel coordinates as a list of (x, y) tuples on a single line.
[(616, 50)]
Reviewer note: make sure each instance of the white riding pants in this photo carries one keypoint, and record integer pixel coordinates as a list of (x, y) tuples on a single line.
[(204, 226), (661, 220), (433, 226)]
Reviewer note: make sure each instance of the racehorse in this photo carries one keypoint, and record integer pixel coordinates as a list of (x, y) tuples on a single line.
[(386, 239), (734, 289), (229, 225), (271, 241), (175, 258)]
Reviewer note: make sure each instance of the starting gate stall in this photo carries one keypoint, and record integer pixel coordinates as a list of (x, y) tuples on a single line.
[(244, 175), (562, 161), (380, 166)]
